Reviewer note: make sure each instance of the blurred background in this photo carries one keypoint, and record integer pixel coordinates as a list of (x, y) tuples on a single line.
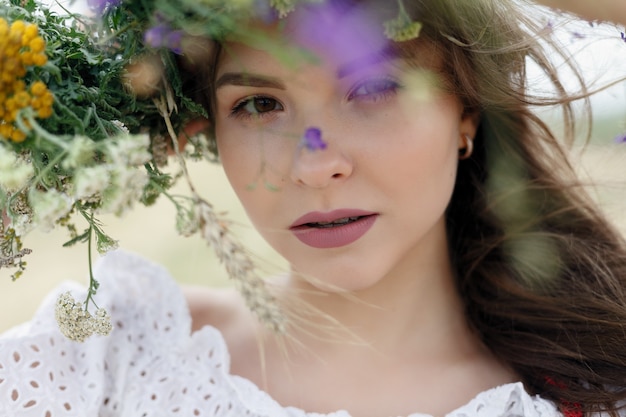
[(151, 232)]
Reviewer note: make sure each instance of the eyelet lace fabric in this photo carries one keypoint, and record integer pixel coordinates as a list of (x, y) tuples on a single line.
[(152, 365)]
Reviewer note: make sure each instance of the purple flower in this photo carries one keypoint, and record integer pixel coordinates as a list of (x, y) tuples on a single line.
[(101, 5), (312, 139), (621, 138), (339, 33), (623, 36), (163, 36)]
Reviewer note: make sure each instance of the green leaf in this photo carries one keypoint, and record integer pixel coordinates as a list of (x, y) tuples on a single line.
[(82, 238)]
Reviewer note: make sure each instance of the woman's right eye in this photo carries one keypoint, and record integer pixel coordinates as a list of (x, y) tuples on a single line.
[(256, 106)]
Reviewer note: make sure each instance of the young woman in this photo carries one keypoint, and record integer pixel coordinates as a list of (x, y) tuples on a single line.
[(443, 260)]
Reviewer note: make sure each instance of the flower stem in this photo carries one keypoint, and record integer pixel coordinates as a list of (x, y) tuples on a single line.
[(161, 105), (401, 9), (93, 284)]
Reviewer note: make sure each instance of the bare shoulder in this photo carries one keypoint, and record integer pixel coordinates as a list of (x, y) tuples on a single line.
[(218, 307), (225, 310)]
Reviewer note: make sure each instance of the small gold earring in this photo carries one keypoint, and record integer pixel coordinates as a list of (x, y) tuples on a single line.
[(468, 149)]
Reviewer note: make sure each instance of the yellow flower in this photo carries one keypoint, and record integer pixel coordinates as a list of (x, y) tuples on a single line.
[(37, 45), (21, 47), (22, 99), (38, 89), (40, 60), (30, 33)]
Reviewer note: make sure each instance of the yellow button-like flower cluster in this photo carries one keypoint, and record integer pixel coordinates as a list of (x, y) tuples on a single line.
[(21, 47)]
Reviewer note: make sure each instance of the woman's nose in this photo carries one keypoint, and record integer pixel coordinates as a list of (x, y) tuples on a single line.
[(320, 166)]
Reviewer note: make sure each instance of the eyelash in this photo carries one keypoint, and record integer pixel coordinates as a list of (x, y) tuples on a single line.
[(239, 109), (390, 87)]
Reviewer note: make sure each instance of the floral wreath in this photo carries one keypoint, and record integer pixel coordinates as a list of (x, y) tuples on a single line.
[(69, 151)]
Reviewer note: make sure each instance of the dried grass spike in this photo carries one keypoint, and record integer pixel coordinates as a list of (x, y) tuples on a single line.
[(241, 269)]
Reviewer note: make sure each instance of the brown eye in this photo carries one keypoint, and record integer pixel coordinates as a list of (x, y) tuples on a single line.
[(264, 104), (257, 105)]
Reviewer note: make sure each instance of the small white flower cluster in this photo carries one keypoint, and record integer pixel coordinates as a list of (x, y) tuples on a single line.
[(114, 181), (76, 323), (119, 181), (105, 243), (129, 150), (81, 152), (120, 126), (198, 147), (128, 177), (14, 172), (90, 181), (48, 207), (187, 221)]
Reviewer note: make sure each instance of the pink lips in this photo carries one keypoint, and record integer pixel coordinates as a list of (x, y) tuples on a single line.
[(335, 236)]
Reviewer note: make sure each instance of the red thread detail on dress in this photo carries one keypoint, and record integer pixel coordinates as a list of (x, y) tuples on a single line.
[(571, 409), (567, 408)]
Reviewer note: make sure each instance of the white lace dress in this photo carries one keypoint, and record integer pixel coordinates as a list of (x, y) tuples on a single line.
[(152, 365)]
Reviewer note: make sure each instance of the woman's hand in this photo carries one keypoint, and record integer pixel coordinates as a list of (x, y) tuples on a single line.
[(605, 10)]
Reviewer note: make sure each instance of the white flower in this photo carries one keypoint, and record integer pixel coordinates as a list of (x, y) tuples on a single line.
[(21, 224), (126, 187), (130, 150), (91, 181), (198, 147), (104, 243), (48, 207), (76, 323), (122, 128), (102, 322), (14, 172), (187, 221), (7, 158), (80, 152)]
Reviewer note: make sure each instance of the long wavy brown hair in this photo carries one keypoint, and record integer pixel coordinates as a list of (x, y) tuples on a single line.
[(541, 271)]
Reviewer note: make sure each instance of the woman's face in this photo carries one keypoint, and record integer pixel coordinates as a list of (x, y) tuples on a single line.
[(371, 203)]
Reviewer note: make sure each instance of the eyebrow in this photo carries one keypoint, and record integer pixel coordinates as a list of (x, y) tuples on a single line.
[(386, 54), (246, 79)]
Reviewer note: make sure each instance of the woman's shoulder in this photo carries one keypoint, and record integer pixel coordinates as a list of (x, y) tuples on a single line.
[(216, 307), (224, 311)]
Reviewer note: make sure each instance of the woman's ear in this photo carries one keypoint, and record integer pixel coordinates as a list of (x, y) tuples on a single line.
[(191, 129)]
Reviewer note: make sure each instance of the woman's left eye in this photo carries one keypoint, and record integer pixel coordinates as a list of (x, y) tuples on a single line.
[(256, 106), (374, 90)]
